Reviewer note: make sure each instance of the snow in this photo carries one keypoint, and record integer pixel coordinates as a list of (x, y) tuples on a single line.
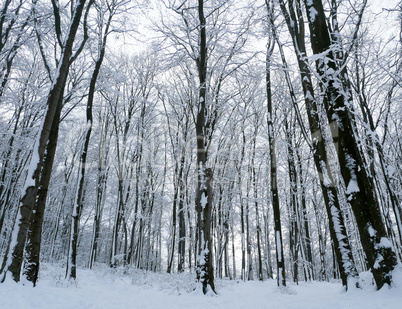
[(330, 71), (352, 187), (377, 262), (33, 164), (372, 231), (278, 246), (385, 243), (204, 200), (313, 13), (120, 288)]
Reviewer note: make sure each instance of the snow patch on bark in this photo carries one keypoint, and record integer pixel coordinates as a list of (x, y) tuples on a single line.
[(352, 187), (372, 231), (204, 200), (312, 12), (385, 243), (278, 246), (377, 262), (33, 164)]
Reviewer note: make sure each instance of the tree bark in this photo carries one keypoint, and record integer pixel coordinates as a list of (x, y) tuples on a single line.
[(14, 254), (295, 23), (338, 105), (204, 196), (34, 238), (280, 258), (182, 224)]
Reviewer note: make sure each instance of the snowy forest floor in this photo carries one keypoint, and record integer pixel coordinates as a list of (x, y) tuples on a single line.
[(118, 288)]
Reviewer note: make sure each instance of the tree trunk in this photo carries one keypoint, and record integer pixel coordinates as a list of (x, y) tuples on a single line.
[(100, 198), (204, 196), (360, 188), (174, 220), (34, 237), (182, 227), (71, 263), (280, 258), (323, 166), (308, 273), (14, 254), (293, 203)]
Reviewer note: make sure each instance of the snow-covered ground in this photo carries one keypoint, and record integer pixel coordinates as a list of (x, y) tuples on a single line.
[(115, 289)]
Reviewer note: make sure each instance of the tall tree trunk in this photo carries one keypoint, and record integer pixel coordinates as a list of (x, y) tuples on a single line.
[(257, 218), (100, 191), (248, 240), (174, 220), (268, 263), (182, 225), (293, 202), (14, 254), (205, 271), (233, 250), (280, 258), (295, 23), (242, 212), (308, 269), (77, 208), (360, 187), (34, 237)]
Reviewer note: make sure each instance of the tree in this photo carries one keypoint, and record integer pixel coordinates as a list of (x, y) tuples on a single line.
[(179, 124), (213, 56), (13, 33), (334, 83), (104, 23), (101, 182), (34, 236), (204, 196), (295, 23), (14, 255), (280, 258)]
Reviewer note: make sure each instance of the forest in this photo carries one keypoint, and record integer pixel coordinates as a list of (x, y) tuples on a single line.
[(242, 140)]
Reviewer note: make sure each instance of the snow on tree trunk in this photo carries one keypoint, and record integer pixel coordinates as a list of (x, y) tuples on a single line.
[(361, 195), (280, 260), (14, 254), (32, 255), (204, 265), (317, 145)]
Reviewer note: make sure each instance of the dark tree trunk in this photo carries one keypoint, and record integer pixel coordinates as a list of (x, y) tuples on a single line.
[(295, 23), (182, 225), (71, 263), (360, 187), (242, 215), (32, 249), (204, 268), (293, 203), (100, 192), (305, 220), (257, 218), (14, 254), (173, 228), (205, 271), (248, 243), (280, 258)]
